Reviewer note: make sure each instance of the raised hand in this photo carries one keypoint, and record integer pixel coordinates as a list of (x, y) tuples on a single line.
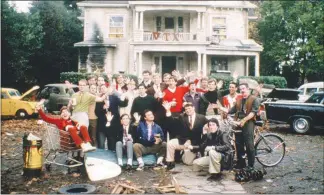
[(176, 74), (166, 105), (235, 75), (137, 117), (153, 68), (39, 104), (220, 84), (109, 117)]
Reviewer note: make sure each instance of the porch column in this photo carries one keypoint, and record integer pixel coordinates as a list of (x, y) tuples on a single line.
[(204, 66), (247, 66), (135, 62), (140, 63), (199, 62), (198, 20), (141, 20), (109, 61), (203, 21), (136, 20), (257, 65)]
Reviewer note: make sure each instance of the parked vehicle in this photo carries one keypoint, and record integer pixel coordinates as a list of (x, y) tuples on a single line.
[(282, 94), (15, 104), (302, 116), (309, 88), (56, 95)]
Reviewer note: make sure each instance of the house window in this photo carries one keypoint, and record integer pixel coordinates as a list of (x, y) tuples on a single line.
[(158, 23), (218, 63), (219, 28), (169, 23), (116, 27), (180, 24)]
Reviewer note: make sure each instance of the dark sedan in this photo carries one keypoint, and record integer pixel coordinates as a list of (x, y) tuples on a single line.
[(56, 95), (302, 116)]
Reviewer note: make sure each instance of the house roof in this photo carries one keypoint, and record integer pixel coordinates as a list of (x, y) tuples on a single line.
[(236, 44), (222, 4), (95, 44)]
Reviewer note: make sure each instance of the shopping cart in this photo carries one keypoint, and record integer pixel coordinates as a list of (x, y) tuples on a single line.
[(58, 142)]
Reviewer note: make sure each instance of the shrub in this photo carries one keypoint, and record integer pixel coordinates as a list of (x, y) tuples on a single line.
[(277, 81)]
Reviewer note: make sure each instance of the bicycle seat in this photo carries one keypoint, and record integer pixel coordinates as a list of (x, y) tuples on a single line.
[(259, 123)]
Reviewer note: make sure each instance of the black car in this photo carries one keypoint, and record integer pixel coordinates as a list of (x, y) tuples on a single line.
[(302, 116), (282, 94), (56, 95)]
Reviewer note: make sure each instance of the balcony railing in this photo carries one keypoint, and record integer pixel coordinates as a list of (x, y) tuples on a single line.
[(169, 37)]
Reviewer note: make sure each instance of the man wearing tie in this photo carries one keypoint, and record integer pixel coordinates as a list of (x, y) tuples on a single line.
[(125, 138), (190, 125), (149, 140)]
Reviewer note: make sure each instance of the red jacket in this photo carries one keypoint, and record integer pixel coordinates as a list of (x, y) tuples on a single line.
[(59, 122), (227, 103)]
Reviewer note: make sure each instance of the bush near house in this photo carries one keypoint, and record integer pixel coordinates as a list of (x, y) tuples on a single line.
[(279, 82), (74, 77)]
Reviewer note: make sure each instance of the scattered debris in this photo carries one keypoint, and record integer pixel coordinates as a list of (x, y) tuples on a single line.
[(121, 188), (173, 187)]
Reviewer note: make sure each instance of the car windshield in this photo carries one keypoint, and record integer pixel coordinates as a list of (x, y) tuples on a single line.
[(310, 91), (14, 93), (315, 98)]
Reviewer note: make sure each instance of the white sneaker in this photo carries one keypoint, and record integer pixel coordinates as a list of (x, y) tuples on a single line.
[(87, 147), (140, 167)]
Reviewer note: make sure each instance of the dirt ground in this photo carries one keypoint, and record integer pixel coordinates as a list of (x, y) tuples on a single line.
[(301, 171)]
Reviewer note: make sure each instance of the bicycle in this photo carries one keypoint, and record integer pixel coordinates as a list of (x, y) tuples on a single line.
[(269, 148)]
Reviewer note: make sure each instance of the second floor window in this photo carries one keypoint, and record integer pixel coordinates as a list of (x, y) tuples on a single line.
[(219, 28), (116, 27)]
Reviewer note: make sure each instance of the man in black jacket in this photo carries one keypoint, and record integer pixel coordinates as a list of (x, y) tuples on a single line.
[(190, 126), (125, 137), (216, 148)]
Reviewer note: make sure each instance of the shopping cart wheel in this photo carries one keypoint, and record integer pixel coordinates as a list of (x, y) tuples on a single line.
[(48, 167)]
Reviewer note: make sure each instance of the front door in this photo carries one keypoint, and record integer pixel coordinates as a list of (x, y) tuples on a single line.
[(168, 64)]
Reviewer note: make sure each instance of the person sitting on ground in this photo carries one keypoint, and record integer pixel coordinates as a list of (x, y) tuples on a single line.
[(214, 146), (125, 138), (149, 139), (67, 124), (190, 126)]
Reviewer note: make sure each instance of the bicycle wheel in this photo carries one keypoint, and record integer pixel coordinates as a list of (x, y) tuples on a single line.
[(270, 150)]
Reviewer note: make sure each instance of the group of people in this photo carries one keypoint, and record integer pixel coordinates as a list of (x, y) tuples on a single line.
[(162, 117)]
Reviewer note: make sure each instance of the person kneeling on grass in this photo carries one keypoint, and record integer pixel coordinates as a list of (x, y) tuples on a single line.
[(67, 124), (215, 145)]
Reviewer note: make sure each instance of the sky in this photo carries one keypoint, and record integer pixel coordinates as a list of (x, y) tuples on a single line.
[(22, 6)]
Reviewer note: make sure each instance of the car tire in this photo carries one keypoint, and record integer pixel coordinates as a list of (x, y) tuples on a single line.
[(301, 125), (21, 114)]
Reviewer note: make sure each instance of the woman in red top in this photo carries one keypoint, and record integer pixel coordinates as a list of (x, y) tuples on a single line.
[(67, 124)]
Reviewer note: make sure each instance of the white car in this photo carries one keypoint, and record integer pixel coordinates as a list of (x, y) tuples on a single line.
[(309, 89)]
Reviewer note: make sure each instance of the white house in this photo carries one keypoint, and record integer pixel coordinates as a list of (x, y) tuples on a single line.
[(130, 36)]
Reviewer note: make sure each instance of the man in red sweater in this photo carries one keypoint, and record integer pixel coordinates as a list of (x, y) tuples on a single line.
[(67, 124), (175, 94)]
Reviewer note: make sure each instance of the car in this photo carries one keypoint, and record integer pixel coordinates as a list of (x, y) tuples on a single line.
[(282, 94), (13, 104), (308, 89), (56, 95), (302, 116)]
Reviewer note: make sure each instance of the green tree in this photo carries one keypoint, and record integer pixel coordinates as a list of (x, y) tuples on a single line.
[(292, 33), (21, 37), (61, 30)]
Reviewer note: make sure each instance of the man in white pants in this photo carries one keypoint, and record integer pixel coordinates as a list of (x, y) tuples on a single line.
[(215, 145), (80, 102)]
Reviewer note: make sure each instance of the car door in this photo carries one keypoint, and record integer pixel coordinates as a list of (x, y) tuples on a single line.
[(5, 103), (55, 98)]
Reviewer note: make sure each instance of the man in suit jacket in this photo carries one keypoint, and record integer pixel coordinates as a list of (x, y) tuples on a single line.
[(190, 130), (125, 137)]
